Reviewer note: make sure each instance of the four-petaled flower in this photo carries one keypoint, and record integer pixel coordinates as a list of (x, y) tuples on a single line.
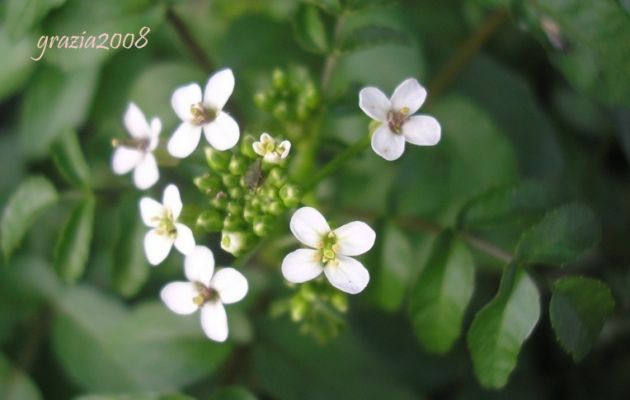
[(166, 230), (137, 152), (330, 253), (398, 124), (198, 113), (206, 292), (270, 150)]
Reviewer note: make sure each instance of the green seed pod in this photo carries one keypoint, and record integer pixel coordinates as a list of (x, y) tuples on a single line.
[(238, 165), (210, 221), (236, 192), (290, 195), (208, 184), (230, 181), (262, 225), (220, 201), (217, 160), (278, 79), (247, 148)]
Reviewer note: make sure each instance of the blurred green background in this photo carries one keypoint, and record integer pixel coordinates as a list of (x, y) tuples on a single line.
[(533, 97)]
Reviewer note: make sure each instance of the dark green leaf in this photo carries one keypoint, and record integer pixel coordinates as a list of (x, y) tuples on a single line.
[(310, 29), (53, 103), (33, 196), (562, 236), (330, 6), (499, 204), (69, 160), (372, 35), (578, 309), (15, 385), (135, 396), (73, 246), (499, 330), (392, 279), (233, 393), (442, 293), (22, 15), (16, 66)]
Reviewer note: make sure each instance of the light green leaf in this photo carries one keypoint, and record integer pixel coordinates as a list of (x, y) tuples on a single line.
[(578, 309), (392, 279), (22, 15), (105, 348), (73, 246), (563, 236), (16, 67), (15, 385), (372, 35), (70, 161), (54, 102), (130, 270), (442, 293), (310, 29), (329, 6), (499, 330), (32, 197), (521, 201)]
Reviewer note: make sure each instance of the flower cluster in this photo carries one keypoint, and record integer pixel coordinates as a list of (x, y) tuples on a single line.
[(248, 190)]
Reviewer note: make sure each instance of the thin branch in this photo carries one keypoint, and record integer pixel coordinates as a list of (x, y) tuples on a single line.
[(196, 51)]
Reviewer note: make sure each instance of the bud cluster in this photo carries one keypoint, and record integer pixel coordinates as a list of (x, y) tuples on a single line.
[(246, 196), (292, 97)]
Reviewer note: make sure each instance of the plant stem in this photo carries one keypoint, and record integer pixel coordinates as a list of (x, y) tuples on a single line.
[(196, 51), (333, 57)]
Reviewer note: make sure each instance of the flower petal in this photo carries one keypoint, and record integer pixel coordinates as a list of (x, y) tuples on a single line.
[(146, 173), (231, 285), (387, 144), (354, 238), (214, 321), (156, 129), (135, 122), (348, 275), (301, 265), (185, 241), (422, 130), (151, 212), (409, 94), (184, 98), (285, 145), (309, 226), (156, 246), (172, 201), (178, 297), (374, 103), (125, 159), (184, 141), (199, 265), (223, 132), (219, 89)]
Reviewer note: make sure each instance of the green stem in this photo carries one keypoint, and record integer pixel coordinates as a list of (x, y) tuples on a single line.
[(336, 162)]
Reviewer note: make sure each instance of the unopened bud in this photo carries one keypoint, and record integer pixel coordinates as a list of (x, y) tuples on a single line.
[(237, 165), (247, 148), (262, 225), (290, 195), (236, 192), (230, 181), (220, 201), (275, 208), (278, 79), (233, 222), (276, 177), (208, 184), (217, 160), (210, 221)]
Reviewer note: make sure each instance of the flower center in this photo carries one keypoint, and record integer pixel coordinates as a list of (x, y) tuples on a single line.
[(395, 119), (141, 144), (166, 224), (202, 115), (328, 250), (205, 294)]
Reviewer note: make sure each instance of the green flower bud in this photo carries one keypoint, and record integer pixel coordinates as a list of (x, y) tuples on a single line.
[(340, 301), (249, 213), (234, 208), (298, 309), (261, 100), (256, 203), (276, 177), (210, 221), (278, 79), (236, 242), (269, 193), (290, 195), (236, 192), (281, 111), (208, 184), (247, 148), (238, 165), (217, 160), (275, 208), (230, 181), (310, 96), (220, 201), (262, 225), (233, 222)]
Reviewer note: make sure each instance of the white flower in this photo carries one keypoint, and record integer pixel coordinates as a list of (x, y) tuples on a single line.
[(398, 122), (233, 242), (166, 230), (137, 153), (206, 292), (331, 251), (198, 113), (271, 151)]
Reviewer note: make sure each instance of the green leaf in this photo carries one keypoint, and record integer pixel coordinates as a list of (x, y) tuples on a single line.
[(392, 279), (16, 67), (130, 270), (233, 393), (15, 385), (499, 204), (330, 6), (69, 159), (22, 15), (31, 198), (372, 35), (310, 29), (135, 396), (104, 348), (563, 236), (578, 309), (54, 102), (73, 246), (442, 293), (499, 330)]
